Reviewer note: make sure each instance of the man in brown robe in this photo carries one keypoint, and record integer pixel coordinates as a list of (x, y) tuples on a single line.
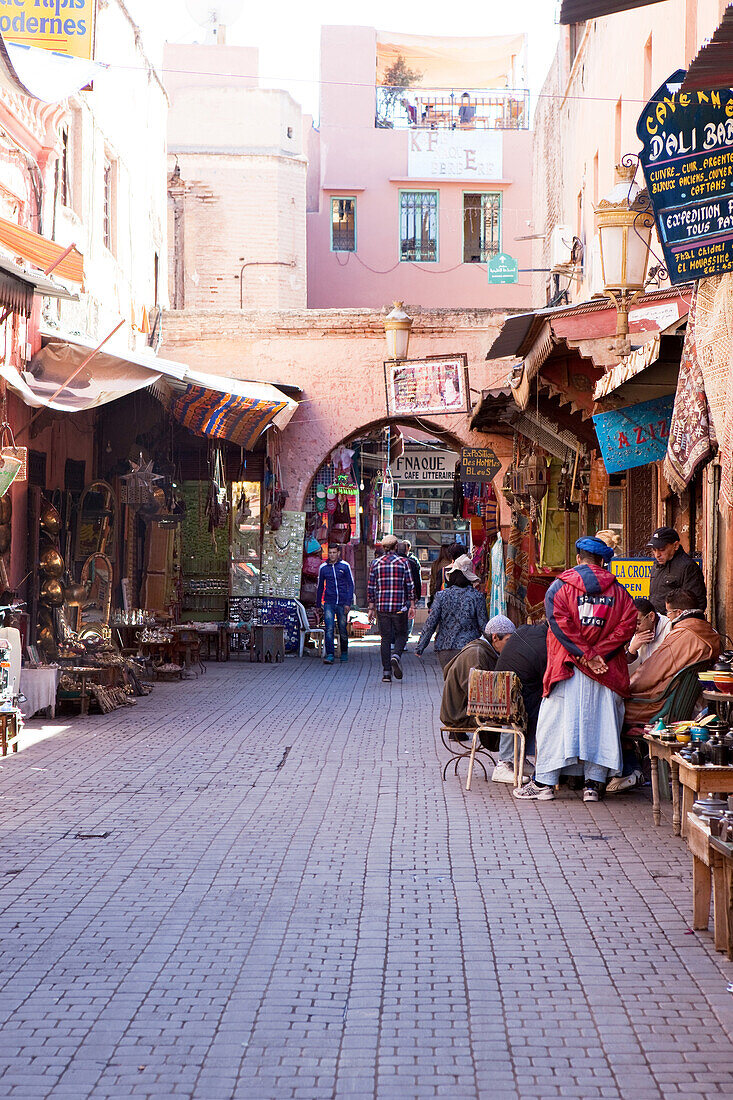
[(483, 654), (691, 639)]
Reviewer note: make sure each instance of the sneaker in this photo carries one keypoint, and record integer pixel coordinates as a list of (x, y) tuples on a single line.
[(344, 658), (533, 791), (590, 794), (503, 773), (624, 782), (386, 679), (328, 660), (396, 667)]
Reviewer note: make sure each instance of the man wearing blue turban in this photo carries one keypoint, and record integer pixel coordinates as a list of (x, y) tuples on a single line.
[(591, 618)]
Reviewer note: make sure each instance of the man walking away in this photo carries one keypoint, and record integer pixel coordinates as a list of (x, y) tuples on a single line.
[(591, 618), (674, 571), (404, 549), (336, 589), (390, 596)]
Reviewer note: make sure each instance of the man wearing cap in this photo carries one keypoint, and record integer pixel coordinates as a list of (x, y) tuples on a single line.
[(481, 653), (674, 571), (591, 618), (391, 598)]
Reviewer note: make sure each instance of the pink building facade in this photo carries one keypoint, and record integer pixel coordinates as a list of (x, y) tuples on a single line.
[(405, 187)]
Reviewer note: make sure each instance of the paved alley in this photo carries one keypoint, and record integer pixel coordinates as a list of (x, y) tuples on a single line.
[(256, 885)]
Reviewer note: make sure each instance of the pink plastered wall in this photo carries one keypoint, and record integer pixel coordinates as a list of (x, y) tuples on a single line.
[(357, 159)]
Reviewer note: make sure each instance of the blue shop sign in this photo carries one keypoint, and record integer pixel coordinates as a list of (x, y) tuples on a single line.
[(687, 159), (636, 435)]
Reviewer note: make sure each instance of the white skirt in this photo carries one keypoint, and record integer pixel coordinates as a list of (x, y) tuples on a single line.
[(579, 721)]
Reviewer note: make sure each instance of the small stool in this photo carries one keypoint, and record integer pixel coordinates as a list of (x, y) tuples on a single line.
[(9, 732), (269, 644)]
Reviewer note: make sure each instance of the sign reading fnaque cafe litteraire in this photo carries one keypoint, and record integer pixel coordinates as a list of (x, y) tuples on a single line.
[(687, 158)]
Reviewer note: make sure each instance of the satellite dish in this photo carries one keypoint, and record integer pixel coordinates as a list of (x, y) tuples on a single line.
[(212, 14)]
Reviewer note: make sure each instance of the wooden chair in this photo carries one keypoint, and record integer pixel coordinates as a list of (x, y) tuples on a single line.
[(495, 701), (187, 650)]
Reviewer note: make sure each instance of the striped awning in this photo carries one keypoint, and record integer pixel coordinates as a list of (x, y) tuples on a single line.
[(42, 253), (227, 408)]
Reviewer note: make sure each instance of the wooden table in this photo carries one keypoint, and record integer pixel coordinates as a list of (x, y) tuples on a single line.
[(701, 778), (722, 853), (708, 875), (664, 750)]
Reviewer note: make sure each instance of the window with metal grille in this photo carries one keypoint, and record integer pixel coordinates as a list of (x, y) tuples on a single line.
[(109, 198), (343, 225), (419, 226), (481, 227)]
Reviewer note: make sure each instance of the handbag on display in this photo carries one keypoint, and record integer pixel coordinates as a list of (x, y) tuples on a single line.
[(311, 564), (312, 545), (308, 590)]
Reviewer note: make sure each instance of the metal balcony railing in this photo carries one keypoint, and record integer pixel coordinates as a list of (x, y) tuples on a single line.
[(451, 108)]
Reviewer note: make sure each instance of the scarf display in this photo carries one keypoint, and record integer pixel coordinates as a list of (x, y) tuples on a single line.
[(692, 436)]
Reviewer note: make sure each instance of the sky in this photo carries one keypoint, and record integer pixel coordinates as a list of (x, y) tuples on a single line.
[(288, 35)]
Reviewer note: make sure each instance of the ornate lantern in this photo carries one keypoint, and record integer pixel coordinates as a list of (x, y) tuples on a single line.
[(535, 476)]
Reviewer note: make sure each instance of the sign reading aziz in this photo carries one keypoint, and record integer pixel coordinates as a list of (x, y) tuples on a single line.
[(454, 154), (66, 26), (687, 157)]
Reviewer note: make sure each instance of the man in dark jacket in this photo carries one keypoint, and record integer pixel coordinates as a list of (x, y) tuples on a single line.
[(674, 571), (482, 653), (526, 654), (404, 548), (336, 589)]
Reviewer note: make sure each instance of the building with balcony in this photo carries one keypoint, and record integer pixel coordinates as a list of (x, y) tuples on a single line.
[(421, 166)]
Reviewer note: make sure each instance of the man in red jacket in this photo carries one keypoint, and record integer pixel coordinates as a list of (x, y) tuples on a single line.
[(591, 618)]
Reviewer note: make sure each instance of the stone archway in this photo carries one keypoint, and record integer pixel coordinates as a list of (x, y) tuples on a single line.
[(336, 359)]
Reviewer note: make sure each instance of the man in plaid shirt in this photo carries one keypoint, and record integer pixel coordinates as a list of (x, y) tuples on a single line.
[(391, 597)]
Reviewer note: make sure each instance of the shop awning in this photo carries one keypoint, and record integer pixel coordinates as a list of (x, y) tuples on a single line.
[(577, 11), (225, 408), (713, 66), (649, 372), (18, 285), (46, 75), (32, 248), (210, 405)]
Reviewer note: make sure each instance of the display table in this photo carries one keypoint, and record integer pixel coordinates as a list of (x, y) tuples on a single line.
[(722, 852), (664, 750), (708, 875), (39, 687), (701, 778), (85, 675)]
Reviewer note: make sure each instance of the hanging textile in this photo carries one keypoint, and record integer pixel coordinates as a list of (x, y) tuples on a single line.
[(692, 438), (517, 567), (498, 579)]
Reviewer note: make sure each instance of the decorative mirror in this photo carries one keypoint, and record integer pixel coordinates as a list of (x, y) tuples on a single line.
[(96, 577), (95, 525)]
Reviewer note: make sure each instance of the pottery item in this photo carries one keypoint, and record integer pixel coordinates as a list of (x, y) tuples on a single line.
[(51, 562), (52, 592), (50, 519)]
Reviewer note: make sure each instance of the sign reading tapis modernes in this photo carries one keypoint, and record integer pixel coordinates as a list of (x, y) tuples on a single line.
[(687, 158), (636, 435)]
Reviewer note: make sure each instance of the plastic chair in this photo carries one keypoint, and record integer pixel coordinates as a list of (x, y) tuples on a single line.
[(307, 631), (495, 702)]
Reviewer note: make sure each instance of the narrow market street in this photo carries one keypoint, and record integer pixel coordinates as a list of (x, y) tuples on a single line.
[(256, 885)]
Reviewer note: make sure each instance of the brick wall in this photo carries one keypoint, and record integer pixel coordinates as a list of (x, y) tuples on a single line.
[(227, 210)]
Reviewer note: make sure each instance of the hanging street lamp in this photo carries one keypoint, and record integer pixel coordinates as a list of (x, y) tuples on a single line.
[(624, 225), (397, 326)]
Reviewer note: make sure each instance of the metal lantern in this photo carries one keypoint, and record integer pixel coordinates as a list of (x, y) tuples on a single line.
[(506, 487), (397, 326), (535, 476), (624, 227), (517, 475)]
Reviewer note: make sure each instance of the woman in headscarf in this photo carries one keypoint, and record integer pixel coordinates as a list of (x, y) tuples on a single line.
[(458, 615)]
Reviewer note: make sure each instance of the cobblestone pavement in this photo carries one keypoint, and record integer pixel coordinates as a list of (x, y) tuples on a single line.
[(256, 885)]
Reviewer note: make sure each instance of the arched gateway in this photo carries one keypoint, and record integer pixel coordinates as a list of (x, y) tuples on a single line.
[(336, 360)]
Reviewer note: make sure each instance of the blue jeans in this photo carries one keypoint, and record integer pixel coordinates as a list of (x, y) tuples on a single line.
[(333, 611)]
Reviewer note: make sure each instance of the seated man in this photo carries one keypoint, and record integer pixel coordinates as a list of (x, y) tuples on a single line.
[(651, 630), (525, 653), (483, 653), (690, 639)]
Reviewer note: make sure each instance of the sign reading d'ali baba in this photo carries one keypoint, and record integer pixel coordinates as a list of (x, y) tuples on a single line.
[(66, 26), (687, 158)]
